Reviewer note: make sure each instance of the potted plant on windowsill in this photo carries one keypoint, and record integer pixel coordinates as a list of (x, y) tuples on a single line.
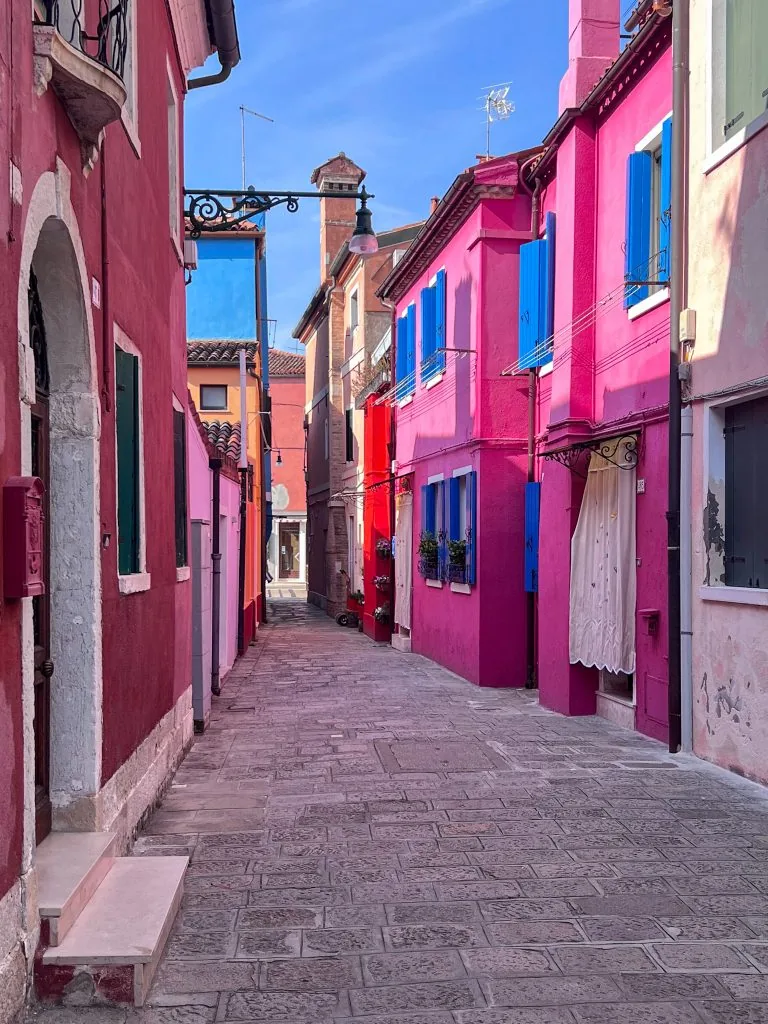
[(383, 548), (381, 614), (457, 561), (428, 556)]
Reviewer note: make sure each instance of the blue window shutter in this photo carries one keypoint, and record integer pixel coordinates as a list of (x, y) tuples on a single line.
[(454, 515), (665, 226), (472, 527), (638, 226), (401, 355), (532, 505), (443, 534), (440, 318), (427, 333), (425, 509), (411, 333), (547, 290), (530, 329)]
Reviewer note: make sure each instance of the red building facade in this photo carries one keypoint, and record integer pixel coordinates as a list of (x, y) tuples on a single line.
[(96, 711)]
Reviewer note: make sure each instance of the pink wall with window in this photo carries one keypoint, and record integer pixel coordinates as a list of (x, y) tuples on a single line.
[(471, 418)]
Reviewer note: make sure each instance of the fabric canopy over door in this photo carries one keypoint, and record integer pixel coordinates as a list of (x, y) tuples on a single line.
[(403, 560), (604, 570)]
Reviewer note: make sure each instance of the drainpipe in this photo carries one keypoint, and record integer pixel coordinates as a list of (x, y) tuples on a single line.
[(392, 451), (243, 468), (222, 29), (530, 607), (686, 581), (677, 288), (215, 465), (108, 352)]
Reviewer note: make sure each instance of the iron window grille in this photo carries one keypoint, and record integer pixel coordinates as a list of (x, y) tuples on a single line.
[(106, 43)]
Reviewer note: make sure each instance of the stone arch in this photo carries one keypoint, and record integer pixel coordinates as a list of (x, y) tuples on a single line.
[(53, 248)]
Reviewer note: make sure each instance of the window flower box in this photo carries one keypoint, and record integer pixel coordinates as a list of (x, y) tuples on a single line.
[(383, 548), (429, 556), (381, 582), (381, 614)]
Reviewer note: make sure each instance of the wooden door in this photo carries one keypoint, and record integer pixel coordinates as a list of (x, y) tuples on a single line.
[(41, 606)]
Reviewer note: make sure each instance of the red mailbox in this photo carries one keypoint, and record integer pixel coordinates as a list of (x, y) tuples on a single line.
[(23, 537)]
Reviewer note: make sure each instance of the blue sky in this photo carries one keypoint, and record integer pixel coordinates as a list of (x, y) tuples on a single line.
[(395, 85)]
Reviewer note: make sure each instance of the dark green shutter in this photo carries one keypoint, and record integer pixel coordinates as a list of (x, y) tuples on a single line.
[(180, 485), (127, 414)]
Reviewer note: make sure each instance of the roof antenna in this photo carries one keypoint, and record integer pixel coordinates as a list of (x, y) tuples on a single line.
[(253, 113), (496, 107)]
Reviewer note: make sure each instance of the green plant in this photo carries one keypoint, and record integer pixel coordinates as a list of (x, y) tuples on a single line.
[(428, 546), (457, 552), (357, 595)]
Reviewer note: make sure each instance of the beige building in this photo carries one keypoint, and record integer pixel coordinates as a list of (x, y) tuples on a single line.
[(345, 330)]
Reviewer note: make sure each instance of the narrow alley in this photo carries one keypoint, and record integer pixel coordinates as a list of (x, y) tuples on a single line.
[(373, 837)]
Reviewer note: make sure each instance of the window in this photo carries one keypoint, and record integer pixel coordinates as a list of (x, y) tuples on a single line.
[(349, 435), (180, 485), (127, 407), (130, 113), (746, 494), (537, 299), (213, 398), (354, 315), (741, 94), (432, 542), (174, 193), (325, 435), (462, 528), (405, 354), (648, 201), (433, 328)]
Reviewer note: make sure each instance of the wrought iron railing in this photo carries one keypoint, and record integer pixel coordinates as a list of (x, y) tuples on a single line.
[(107, 40)]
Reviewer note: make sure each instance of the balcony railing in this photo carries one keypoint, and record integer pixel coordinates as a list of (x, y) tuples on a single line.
[(107, 40)]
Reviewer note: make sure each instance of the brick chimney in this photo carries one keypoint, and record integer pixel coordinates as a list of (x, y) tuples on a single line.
[(337, 216), (593, 44)]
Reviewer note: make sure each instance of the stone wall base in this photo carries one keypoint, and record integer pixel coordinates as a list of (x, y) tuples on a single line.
[(19, 935), (124, 803)]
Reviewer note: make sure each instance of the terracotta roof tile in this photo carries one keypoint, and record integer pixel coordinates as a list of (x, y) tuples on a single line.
[(285, 364), (225, 437), (224, 352)]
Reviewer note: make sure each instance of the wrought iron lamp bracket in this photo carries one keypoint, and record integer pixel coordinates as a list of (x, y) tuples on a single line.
[(210, 210), (621, 452)]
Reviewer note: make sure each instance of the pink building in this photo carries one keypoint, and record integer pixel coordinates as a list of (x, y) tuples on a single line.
[(461, 430), (594, 338)]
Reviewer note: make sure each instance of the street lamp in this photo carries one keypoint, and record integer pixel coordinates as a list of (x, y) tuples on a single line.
[(210, 210)]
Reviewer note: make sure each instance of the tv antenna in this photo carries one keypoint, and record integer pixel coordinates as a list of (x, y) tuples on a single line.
[(497, 108), (253, 113)]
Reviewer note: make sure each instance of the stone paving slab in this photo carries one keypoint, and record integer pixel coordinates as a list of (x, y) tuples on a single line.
[(374, 840)]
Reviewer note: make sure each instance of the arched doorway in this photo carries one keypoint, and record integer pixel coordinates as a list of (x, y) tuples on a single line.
[(60, 413)]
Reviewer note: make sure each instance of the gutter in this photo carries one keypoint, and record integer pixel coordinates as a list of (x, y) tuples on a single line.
[(222, 28)]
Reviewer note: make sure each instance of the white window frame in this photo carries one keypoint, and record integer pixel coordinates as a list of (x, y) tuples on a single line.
[(349, 408), (354, 298), (175, 219), (715, 93), (129, 115), (134, 583), (325, 436)]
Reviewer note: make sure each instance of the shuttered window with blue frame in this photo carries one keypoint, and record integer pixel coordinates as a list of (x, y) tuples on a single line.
[(432, 543), (405, 354), (537, 299), (532, 511), (462, 526), (648, 219), (433, 317)]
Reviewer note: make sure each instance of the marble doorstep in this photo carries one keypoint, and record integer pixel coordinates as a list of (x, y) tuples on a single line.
[(71, 866), (127, 921)]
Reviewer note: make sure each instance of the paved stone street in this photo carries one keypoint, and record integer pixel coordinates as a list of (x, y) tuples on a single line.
[(373, 838)]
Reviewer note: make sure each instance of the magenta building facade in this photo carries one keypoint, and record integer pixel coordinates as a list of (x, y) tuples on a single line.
[(602, 185), (461, 430)]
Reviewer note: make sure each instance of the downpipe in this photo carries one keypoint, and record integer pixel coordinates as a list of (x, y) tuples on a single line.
[(531, 681), (215, 465), (686, 580), (678, 281)]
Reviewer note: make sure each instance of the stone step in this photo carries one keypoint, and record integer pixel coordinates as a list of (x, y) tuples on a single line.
[(114, 947), (70, 868)]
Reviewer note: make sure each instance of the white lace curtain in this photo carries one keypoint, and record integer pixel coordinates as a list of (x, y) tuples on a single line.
[(403, 559), (603, 569)]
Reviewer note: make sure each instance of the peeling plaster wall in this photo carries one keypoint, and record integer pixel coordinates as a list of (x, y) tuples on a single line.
[(726, 288)]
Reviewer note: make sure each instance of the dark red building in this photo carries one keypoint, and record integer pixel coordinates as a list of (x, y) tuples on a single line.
[(95, 696)]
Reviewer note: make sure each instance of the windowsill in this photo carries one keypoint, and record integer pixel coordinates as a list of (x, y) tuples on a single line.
[(136, 583), (732, 146), (433, 380), (547, 368), (183, 573), (646, 305), (734, 595), (461, 588), (177, 248), (405, 401), (435, 584), (624, 701), (205, 408)]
